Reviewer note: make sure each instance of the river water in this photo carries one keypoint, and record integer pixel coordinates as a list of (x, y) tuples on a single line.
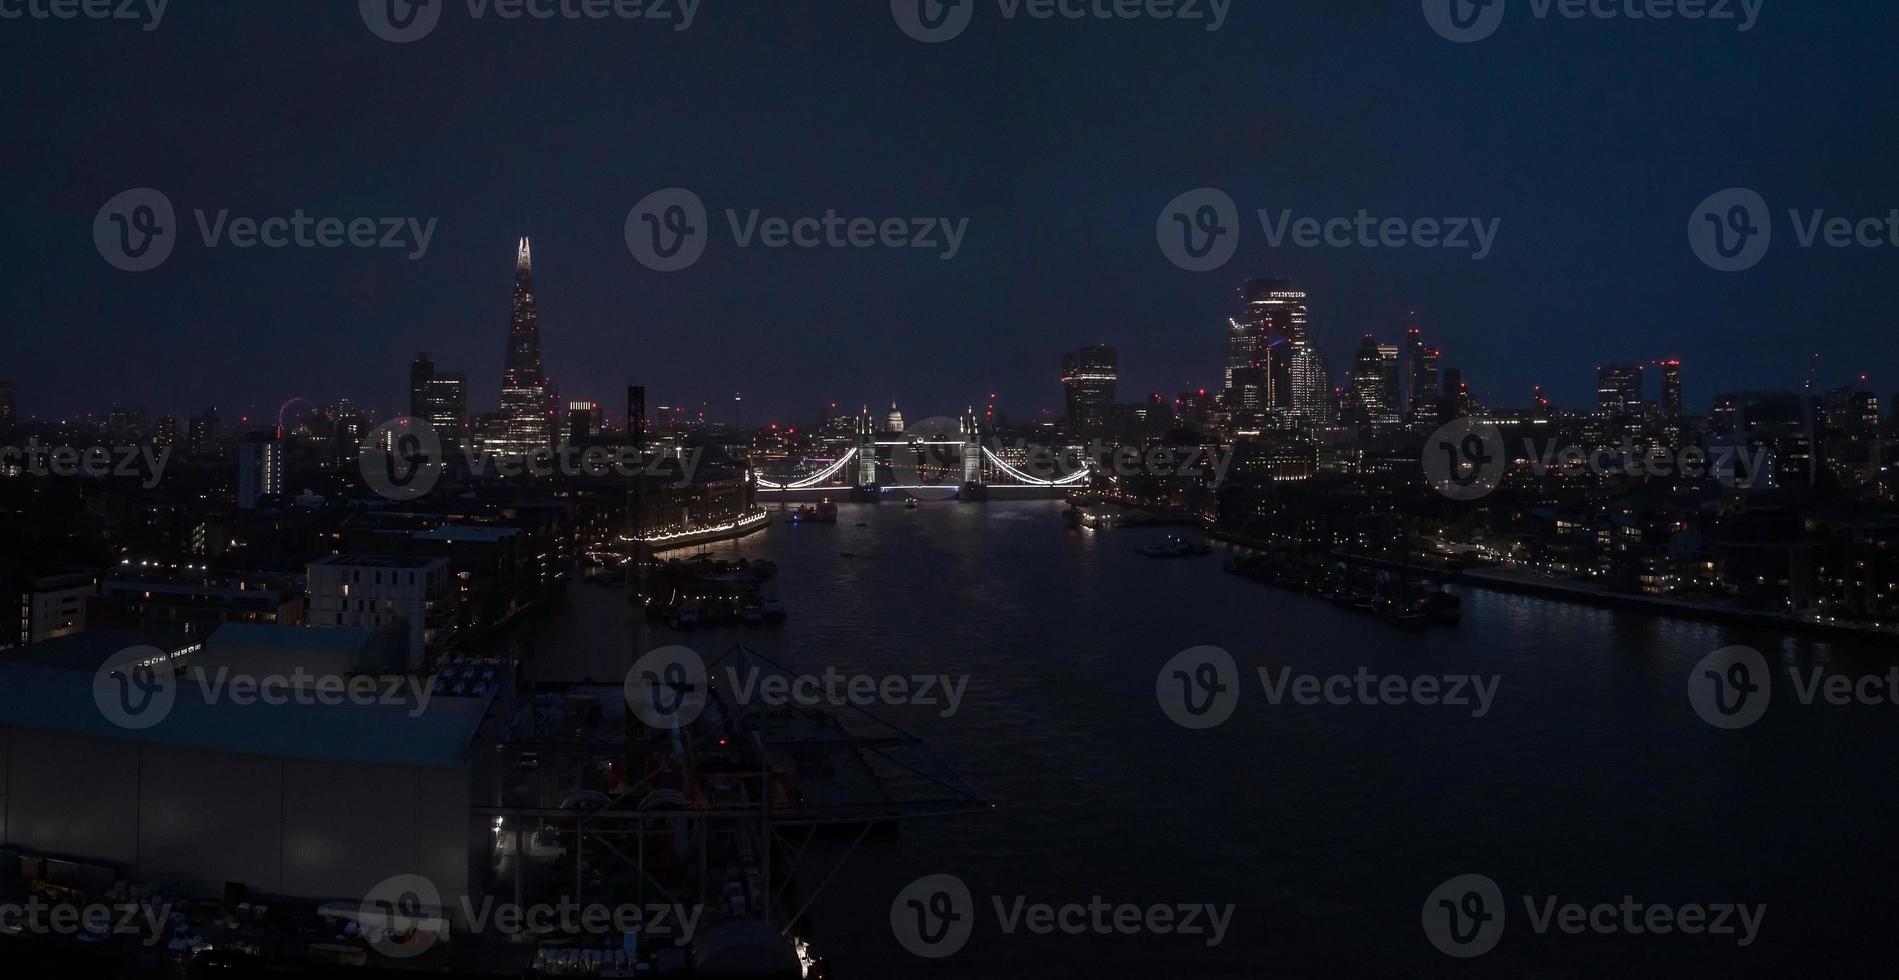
[(1324, 828)]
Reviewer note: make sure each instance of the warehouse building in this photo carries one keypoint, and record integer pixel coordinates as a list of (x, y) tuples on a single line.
[(294, 800)]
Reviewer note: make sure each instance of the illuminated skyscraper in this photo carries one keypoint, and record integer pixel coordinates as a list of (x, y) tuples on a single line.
[(439, 398), (1311, 385), (1089, 377), (260, 469), (1375, 382), (1421, 378), (1671, 391), (1619, 390), (1274, 317), (526, 423)]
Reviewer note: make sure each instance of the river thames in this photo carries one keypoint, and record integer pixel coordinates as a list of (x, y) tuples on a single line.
[(1586, 777)]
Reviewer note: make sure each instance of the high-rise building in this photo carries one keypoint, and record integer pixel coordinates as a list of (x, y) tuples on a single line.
[(260, 469), (1671, 391), (6, 405), (1619, 391), (1273, 317), (439, 398), (1421, 377), (1375, 382), (1089, 376), (583, 423), (526, 425), (1311, 385), (165, 433)]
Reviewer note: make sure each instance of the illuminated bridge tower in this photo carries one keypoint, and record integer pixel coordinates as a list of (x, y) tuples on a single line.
[(973, 487), (866, 489)]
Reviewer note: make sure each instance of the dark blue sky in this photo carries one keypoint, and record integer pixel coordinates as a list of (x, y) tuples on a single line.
[(1059, 141)]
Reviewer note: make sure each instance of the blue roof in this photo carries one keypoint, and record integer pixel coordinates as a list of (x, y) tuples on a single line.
[(60, 699), (289, 638)]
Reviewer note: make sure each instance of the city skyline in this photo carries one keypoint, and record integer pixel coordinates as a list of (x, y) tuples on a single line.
[(1029, 182)]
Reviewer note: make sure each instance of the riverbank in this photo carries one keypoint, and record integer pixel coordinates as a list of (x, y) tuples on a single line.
[(1504, 580)]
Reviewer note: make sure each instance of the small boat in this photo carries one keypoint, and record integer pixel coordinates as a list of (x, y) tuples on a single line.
[(1175, 547), (1443, 608), (752, 614), (911, 504), (847, 554), (1402, 614), (773, 611)]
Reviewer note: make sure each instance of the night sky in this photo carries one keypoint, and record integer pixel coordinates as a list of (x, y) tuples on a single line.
[(1060, 141)]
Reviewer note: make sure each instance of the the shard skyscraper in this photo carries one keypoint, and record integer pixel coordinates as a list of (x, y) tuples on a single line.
[(526, 425)]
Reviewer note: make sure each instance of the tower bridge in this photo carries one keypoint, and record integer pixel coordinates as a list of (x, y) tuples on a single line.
[(936, 455)]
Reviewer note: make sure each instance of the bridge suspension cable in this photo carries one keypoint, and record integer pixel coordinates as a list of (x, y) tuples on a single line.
[(814, 479), (1068, 480)]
